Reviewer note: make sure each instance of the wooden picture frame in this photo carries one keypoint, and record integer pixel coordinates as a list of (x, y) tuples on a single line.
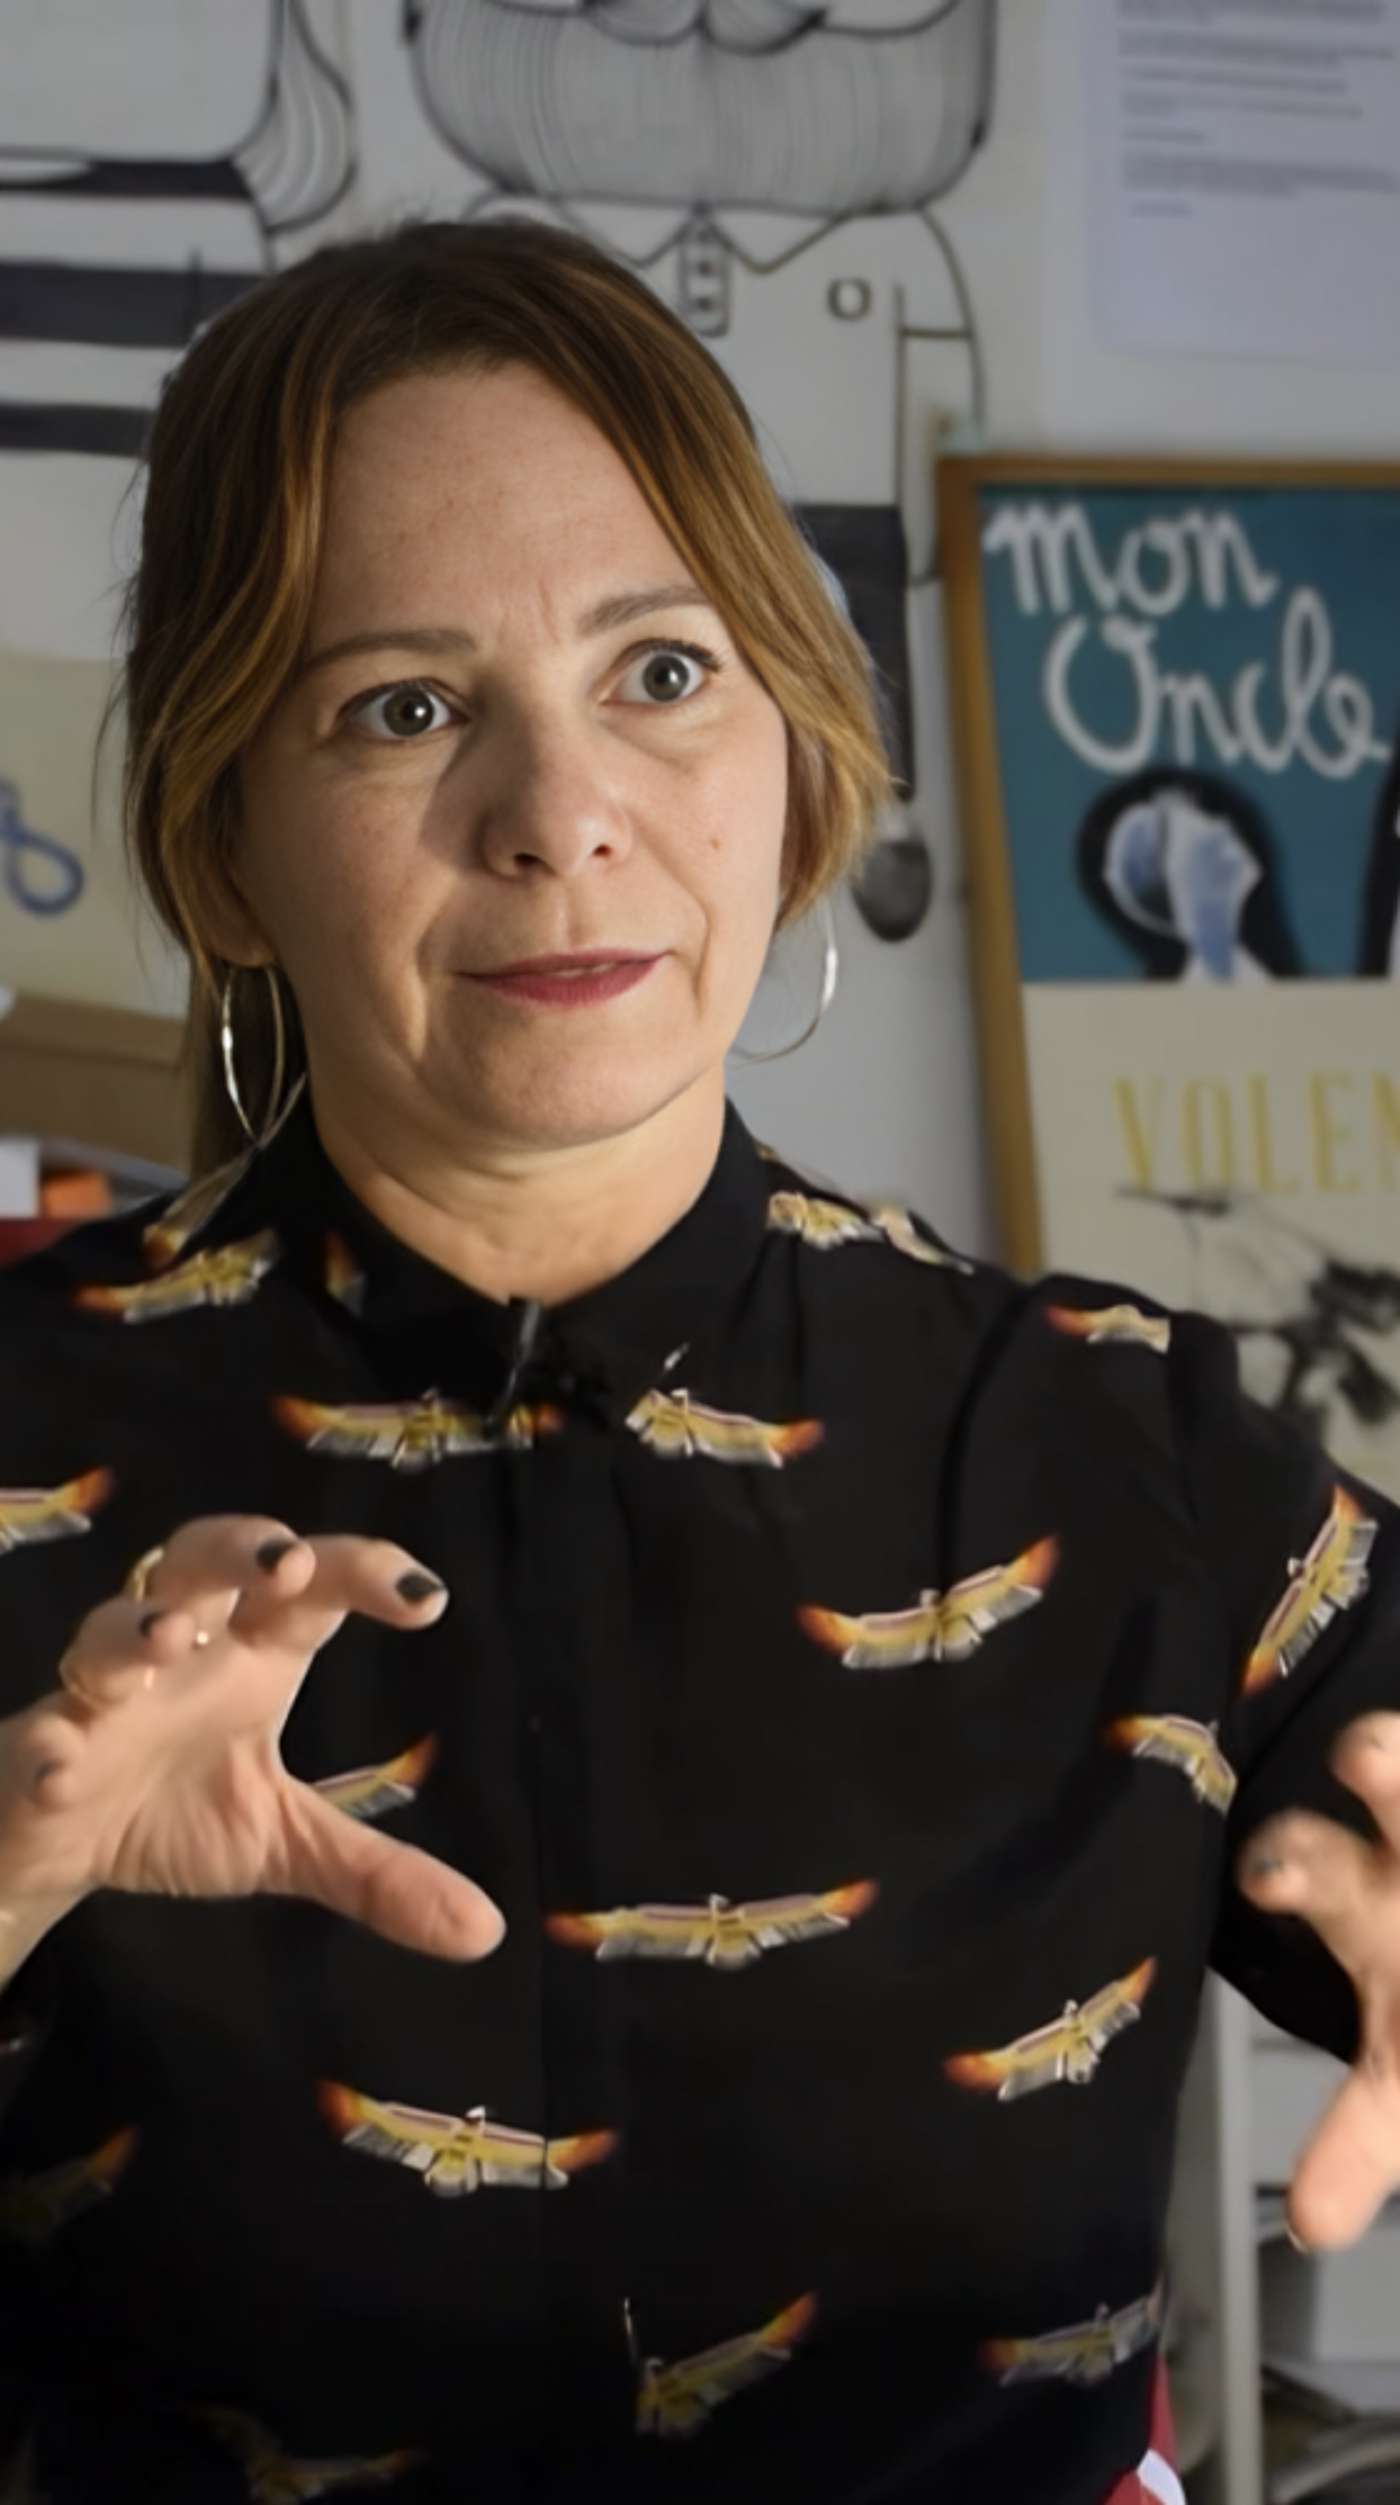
[(1132, 629), (977, 757)]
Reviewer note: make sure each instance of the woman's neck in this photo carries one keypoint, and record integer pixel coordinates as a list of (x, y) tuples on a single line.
[(547, 1224)]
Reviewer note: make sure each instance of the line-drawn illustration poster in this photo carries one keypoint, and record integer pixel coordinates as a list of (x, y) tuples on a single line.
[(156, 158), (771, 169), (1177, 699)]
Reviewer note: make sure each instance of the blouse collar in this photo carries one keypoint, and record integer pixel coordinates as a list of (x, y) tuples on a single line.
[(610, 1344)]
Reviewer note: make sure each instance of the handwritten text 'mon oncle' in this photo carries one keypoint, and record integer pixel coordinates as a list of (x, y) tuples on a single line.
[(1290, 707)]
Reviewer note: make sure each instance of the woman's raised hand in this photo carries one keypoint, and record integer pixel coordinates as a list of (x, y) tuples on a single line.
[(155, 1766), (1349, 1890)]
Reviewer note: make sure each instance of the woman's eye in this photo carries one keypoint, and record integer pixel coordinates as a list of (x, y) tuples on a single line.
[(665, 677), (401, 713)]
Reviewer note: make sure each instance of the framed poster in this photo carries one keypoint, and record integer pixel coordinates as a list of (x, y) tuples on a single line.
[(1176, 707)]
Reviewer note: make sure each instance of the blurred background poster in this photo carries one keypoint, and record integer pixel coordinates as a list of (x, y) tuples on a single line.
[(1177, 694), (1243, 171)]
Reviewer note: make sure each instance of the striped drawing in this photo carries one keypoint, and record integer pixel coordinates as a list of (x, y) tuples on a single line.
[(114, 249)]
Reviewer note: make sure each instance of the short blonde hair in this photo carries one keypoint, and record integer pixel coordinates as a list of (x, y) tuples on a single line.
[(239, 464)]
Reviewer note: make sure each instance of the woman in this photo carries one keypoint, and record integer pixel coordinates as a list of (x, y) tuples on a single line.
[(786, 1853)]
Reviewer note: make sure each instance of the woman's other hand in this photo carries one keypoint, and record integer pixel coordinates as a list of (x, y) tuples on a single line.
[(155, 1767), (1349, 1891)]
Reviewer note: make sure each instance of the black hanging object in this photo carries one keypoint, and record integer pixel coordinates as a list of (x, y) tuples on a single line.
[(895, 888)]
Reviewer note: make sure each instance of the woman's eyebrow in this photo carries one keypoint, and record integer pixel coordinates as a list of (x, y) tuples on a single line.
[(434, 643), (624, 607), (438, 643)]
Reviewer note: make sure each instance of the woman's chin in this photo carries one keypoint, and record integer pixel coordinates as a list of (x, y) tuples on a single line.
[(575, 1108)]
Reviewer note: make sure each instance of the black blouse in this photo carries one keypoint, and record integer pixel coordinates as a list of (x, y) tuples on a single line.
[(858, 1674)]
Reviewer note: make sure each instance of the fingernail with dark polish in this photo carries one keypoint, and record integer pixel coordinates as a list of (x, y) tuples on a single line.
[(1263, 1865), (418, 1586), (1295, 2239), (152, 1619), (272, 1552)]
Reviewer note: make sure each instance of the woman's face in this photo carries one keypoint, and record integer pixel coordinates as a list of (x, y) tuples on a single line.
[(520, 733)]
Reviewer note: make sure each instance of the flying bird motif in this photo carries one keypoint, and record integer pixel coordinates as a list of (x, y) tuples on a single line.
[(673, 1424), (1112, 1326), (166, 1236), (371, 1791), (29, 1514), (677, 2400), (275, 2478), (344, 1278), (457, 2153), (1327, 1580), (1069, 2049), (942, 1626), (34, 2207), (408, 1434), (229, 1274), (1083, 2352), (718, 1934), (1175, 1740), (824, 1223), (898, 1228)]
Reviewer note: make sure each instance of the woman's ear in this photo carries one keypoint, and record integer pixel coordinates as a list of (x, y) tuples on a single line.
[(231, 928)]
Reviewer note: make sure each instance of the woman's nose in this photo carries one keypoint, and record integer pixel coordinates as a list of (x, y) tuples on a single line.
[(549, 801)]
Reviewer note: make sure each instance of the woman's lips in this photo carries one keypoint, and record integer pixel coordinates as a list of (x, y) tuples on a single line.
[(565, 985)]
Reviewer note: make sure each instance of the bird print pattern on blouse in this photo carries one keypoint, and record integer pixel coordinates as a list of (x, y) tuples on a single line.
[(166, 1237), (1081, 2352), (675, 1426), (31, 1514), (276, 2477), (1112, 1326), (941, 1626), (825, 1224), (680, 2399), (459, 2153), (34, 2207), (1330, 1578), (1193, 1748), (899, 1228), (372, 1791), (1068, 2050), (228, 1274), (410, 1434), (341, 1272), (724, 1936)]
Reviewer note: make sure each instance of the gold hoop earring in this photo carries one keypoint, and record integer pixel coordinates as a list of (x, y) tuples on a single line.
[(277, 1106), (831, 975)]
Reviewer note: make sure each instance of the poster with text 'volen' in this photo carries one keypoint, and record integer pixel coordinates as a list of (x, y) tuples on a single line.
[(1176, 698)]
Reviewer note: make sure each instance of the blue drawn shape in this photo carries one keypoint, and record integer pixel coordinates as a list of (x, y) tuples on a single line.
[(22, 849), (1184, 874)]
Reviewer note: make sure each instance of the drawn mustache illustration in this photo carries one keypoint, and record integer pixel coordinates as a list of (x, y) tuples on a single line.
[(819, 113), (856, 109)]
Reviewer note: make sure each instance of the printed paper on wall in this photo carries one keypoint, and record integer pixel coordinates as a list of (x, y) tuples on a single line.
[(1177, 701)]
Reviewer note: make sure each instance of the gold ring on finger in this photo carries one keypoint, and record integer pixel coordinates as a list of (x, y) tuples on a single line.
[(140, 1575)]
